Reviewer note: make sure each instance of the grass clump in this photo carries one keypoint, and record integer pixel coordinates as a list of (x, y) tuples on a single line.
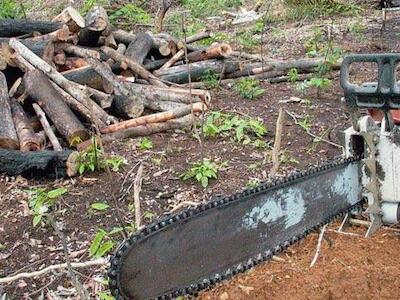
[(211, 79), (244, 130), (249, 88), (206, 8), (130, 14), (88, 5), (9, 9), (300, 9)]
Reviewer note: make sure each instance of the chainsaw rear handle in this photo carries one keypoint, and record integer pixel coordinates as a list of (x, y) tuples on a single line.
[(384, 94)]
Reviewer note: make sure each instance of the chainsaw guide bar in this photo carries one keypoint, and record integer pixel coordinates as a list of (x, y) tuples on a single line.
[(185, 253)]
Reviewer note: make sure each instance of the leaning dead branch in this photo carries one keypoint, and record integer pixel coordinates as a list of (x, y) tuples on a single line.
[(320, 238), (277, 144), (137, 186)]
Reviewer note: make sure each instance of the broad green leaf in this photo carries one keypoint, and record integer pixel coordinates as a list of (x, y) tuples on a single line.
[(100, 206), (94, 247), (36, 220), (104, 249), (56, 193)]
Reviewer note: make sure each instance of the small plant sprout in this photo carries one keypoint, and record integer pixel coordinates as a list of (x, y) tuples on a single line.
[(285, 158), (101, 244), (293, 75), (253, 182), (320, 84), (93, 158), (41, 202), (99, 207), (149, 216), (249, 88), (203, 171), (305, 123), (211, 79), (145, 144)]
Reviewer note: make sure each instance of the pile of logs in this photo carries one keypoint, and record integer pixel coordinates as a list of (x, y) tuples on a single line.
[(74, 77)]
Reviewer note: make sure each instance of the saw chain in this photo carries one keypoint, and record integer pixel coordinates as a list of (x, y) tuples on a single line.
[(195, 287)]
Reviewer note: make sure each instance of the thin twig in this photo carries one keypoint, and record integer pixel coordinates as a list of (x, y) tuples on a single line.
[(318, 138), (321, 235), (83, 294), (97, 262), (181, 205), (137, 186)]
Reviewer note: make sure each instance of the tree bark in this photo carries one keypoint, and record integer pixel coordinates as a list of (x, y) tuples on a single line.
[(8, 134), (12, 27), (140, 47), (155, 118), (28, 140), (215, 51), (40, 89), (143, 130), (38, 164), (96, 21), (122, 36), (127, 103), (72, 18), (77, 50), (133, 65), (152, 65), (47, 128), (88, 76), (180, 74), (173, 59)]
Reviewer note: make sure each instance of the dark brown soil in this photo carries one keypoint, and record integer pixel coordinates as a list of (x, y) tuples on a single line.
[(350, 267)]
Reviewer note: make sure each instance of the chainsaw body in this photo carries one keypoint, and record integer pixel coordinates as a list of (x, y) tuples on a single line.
[(378, 142)]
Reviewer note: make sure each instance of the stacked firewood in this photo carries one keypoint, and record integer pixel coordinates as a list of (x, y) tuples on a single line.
[(65, 80)]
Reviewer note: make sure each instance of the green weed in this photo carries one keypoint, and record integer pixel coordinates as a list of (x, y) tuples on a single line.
[(88, 5), (285, 158), (209, 7), (131, 14), (320, 84), (93, 158), (253, 182), (300, 9), (244, 130), (203, 171), (293, 75), (41, 202), (211, 79), (249, 88), (248, 40), (145, 144), (9, 9)]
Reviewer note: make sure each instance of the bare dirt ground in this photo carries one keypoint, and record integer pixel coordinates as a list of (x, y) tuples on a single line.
[(348, 267)]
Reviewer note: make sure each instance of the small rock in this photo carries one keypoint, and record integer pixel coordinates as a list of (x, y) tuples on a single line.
[(224, 296)]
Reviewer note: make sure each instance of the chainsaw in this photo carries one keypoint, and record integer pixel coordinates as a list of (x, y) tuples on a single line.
[(192, 250)]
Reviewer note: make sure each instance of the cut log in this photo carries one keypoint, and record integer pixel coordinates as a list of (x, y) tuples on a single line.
[(140, 47), (79, 92), (126, 103), (72, 18), (168, 48), (250, 69), (77, 51), (102, 99), (47, 128), (40, 89), (215, 51), (15, 27), (194, 38), (122, 36), (96, 21), (93, 115), (143, 130), (152, 65), (60, 58), (173, 94), (163, 106), (8, 134), (74, 63), (173, 59), (180, 74), (88, 76), (38, 164), (133, 65), (155, 118), (28, 140)]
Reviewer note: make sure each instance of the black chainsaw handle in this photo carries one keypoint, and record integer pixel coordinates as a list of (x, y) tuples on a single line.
[(384, 94)]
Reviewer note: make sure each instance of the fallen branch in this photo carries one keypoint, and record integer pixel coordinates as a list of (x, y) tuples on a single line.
[(47, 128), (277, 144), (137, 186), (321, 235), (155, 118), (74, 265), (312, 134), (181, 205)]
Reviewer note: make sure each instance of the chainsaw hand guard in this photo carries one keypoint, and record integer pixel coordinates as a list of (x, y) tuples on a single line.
[(384, 94)]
